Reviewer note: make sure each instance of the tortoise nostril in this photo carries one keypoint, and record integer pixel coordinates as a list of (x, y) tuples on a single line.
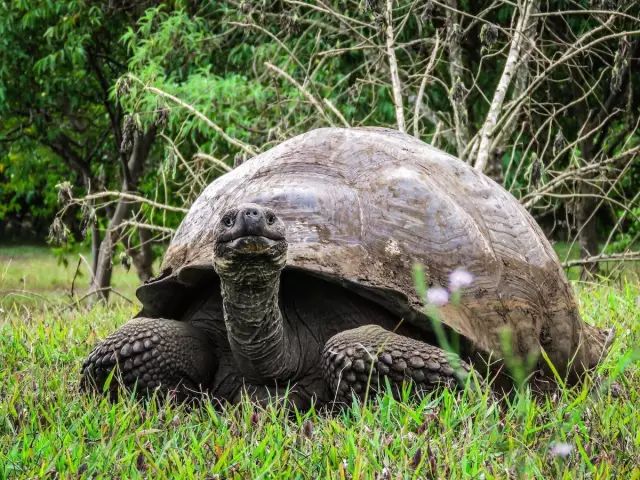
[(251, 212)]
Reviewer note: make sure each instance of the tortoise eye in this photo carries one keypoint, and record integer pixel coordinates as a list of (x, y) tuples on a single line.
[(228, 221), (271, 218)]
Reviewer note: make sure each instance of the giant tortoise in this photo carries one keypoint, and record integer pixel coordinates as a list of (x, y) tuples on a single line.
[(294, 271)]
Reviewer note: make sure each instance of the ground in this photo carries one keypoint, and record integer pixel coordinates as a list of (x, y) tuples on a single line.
[(49, 430)]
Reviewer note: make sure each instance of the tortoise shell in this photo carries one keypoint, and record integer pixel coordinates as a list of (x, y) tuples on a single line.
[(362, 206)]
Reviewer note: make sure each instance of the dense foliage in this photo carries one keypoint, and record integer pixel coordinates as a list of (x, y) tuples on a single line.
[(58, 61), (223, 80)]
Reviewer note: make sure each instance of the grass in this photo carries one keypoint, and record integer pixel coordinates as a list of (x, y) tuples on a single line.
[(32, 275), (49, 430)]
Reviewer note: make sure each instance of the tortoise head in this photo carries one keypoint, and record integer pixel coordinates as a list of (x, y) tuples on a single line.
[(249, 237), (250, 251)]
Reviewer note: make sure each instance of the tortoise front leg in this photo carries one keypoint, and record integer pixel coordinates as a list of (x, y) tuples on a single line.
[(152, 353), (366, 356)]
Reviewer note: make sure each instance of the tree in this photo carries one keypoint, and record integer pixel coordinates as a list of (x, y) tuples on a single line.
[(59, 62)]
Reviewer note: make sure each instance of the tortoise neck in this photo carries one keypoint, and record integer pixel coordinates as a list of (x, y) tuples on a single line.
[(255, 326)]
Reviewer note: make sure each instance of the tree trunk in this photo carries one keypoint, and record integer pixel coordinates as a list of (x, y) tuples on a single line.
[(486, 133), (456, 72), (95, 250), (104, 268), (133, 170), (141, 255), (587, 231), (587, 203)]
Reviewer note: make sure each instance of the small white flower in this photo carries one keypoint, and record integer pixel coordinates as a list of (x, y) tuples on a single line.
[(561, 449), (437, 296), (459, 278)]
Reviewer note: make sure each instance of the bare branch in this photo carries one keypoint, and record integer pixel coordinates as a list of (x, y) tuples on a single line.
[(101, 292), (486, 132), (580, 173), (569, 55), (218, 163), (456, 74), (423, 85), (176, 151), (613, 257), (148, 226), (133, 198), (233, 141), (273, 37), (396, 85), (303, 90), (336, 112)]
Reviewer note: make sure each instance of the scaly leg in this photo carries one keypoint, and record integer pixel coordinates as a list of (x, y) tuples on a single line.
[(152, 353), (366, 356)]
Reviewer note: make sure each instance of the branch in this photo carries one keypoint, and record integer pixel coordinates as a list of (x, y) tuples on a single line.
[(336, 112), (233, 141), (273, 37), (303, 90), (100, 291), (500, 93), (572, 52), (347, 22), (520, 82), (613, 257), (133, 198), (142, 144), (147, 226), (62, 146), (214, 160), (113, 111), (393, 67), (456, 72), (580, 173), (423, 85), (176, 151)]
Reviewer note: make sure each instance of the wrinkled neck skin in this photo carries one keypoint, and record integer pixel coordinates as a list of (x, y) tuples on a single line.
[(255, 326)]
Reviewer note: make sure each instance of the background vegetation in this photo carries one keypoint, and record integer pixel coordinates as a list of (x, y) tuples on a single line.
[(114, 116)]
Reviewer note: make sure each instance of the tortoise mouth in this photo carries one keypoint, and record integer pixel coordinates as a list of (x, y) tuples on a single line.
[(252, 244), (228, 238)]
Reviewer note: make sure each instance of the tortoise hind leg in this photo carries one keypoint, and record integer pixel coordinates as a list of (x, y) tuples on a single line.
[(151, 353), (366, 356)]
